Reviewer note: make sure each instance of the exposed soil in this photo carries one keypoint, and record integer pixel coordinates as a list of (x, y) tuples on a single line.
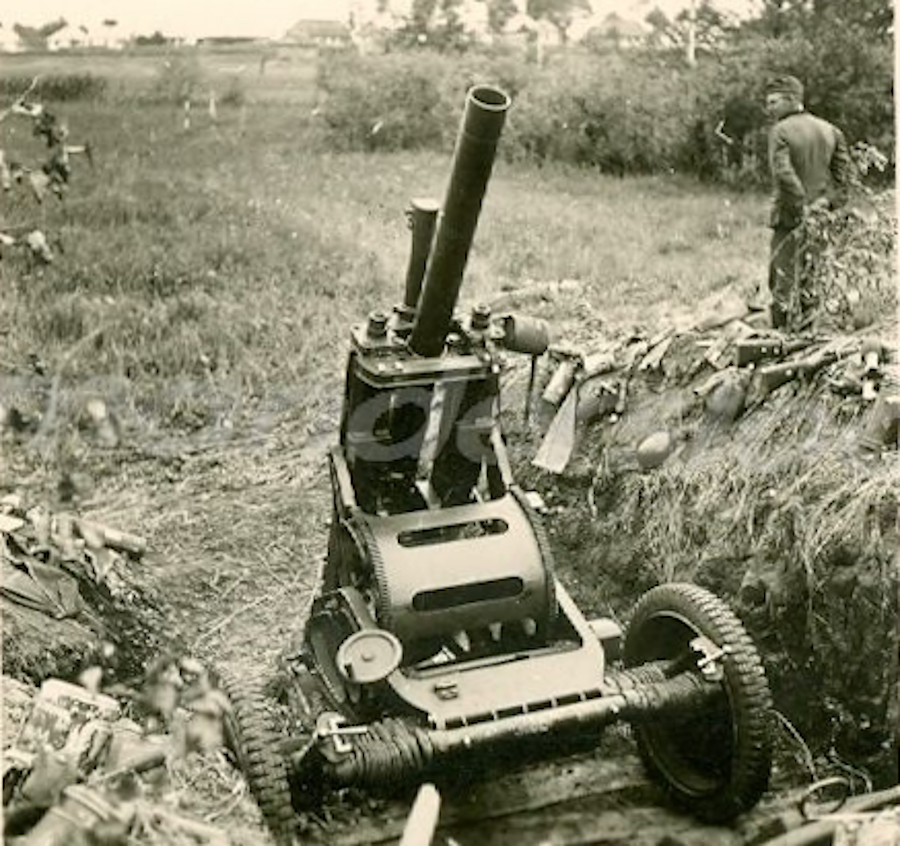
[(810, 628), (236, 527)]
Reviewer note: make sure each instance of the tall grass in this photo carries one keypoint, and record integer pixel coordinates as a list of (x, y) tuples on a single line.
[(243, 249), (55, 87), (283, 76), (226, 262)]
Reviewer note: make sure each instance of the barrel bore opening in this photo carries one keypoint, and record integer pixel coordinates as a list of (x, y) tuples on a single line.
[(490, 98)]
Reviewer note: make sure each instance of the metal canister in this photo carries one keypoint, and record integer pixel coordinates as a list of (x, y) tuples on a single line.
[(595, 403), (529, 335), (80, 810), (882, 425), (560, 382), (481, 317), (725, 402)]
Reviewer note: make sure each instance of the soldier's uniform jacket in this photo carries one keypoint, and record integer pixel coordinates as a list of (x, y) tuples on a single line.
[(809, 160)]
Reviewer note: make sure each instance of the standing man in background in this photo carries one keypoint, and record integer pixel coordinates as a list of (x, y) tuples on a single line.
[(810, 165)]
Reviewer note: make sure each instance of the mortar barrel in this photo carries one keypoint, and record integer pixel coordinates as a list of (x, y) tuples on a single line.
[(473, 160)]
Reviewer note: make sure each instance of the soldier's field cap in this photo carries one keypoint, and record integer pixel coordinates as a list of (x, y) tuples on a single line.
[(789, 85)]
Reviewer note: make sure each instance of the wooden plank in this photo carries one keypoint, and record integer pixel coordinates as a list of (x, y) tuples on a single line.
[(528, 791), (601, 797), (579, 823)]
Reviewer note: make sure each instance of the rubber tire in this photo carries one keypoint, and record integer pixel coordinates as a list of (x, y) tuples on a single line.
[(251, 732), (716, 767)]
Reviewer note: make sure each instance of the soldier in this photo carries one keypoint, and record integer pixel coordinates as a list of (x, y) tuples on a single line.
[(810, 165)]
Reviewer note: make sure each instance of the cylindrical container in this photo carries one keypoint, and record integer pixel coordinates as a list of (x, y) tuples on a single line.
[(422, 216), (81, 808), (481, 317), (882, 425), (588, 408), (871, 351), (473, 160), (529, 335), (560, 382), (593, 405), (725, 402)]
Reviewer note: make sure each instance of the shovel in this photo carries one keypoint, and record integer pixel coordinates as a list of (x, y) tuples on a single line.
[(556, 448)]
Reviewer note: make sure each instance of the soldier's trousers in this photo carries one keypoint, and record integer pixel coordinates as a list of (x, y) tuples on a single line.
[(789, 278)]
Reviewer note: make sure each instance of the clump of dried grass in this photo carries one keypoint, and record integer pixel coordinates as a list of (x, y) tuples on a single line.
[(853, 261), (783, 515), (788, 480)]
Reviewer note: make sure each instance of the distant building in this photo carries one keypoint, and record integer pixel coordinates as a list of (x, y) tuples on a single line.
[(9, 40), (316, 33), (107, 35), (70, 37)]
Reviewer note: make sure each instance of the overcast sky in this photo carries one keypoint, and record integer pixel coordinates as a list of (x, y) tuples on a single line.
[(244, 17)]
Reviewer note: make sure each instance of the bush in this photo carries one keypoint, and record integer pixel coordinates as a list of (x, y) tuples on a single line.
[(387, 104), (56, 87), (620, 114), (853, 260), (849, 83), (405, 100), (180, 78), (620, 111)]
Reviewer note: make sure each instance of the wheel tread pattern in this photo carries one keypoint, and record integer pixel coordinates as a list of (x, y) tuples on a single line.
[(751, 700), (255, 741)]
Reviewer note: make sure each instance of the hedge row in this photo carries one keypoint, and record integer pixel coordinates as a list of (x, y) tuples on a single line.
[(621, 112), (55, 87), (405, 100)]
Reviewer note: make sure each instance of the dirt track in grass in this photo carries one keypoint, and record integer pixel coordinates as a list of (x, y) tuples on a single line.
[(236, 530)]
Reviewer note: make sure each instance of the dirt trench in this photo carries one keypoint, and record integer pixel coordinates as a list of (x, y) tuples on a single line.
[(237, 535)]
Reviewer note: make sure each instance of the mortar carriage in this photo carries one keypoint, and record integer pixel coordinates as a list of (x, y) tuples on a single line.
[(440, 630)]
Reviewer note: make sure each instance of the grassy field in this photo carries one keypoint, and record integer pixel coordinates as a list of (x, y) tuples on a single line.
[(271, 75), (204, 284), (219, 267)]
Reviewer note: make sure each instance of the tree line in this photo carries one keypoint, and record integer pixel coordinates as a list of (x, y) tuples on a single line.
[(687, 98)]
